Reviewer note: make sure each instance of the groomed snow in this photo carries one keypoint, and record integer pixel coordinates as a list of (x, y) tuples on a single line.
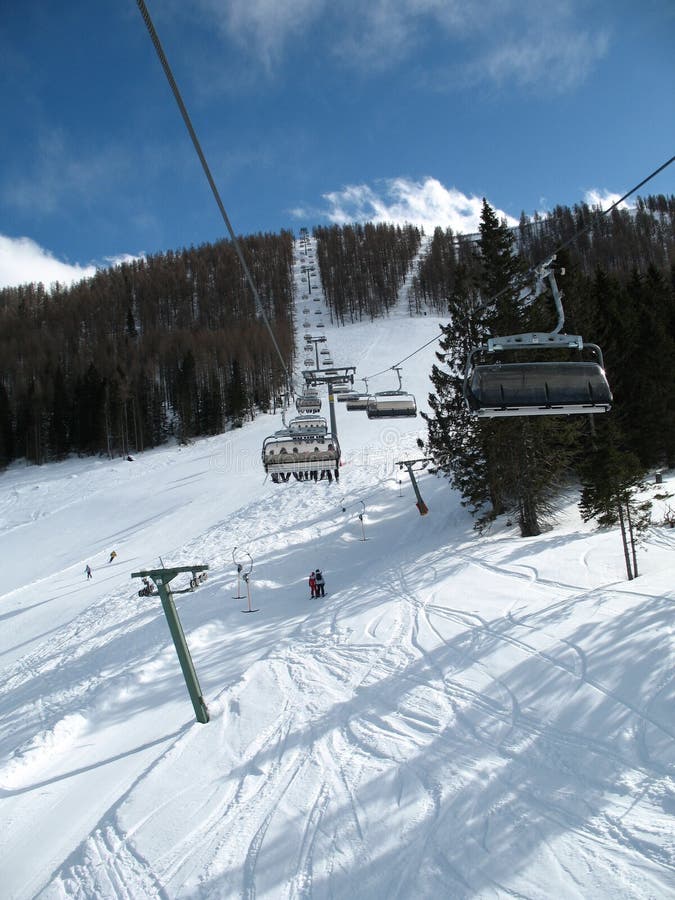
[(461, 716)]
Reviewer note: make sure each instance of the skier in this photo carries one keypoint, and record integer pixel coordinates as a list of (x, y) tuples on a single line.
[(88, 571), (320, 584), (312, 585), (112, 556)]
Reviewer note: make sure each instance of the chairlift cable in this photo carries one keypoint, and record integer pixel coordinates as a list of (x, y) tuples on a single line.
[(195, 141), (492, 300)]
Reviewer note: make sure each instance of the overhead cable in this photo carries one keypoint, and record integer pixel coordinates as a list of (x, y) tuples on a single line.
[(188, 124)]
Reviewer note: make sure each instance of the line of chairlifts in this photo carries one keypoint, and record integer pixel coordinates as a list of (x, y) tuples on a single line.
[(491, 389)]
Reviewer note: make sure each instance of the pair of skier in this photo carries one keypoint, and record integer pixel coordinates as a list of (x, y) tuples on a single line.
[(317, 586)]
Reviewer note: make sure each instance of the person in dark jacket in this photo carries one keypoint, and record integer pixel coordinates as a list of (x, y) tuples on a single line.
[(320, 584), (88, 572)]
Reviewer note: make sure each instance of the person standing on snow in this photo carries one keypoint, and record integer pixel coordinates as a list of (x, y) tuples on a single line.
[(312, 585), (320, 584), (88, 572), (112, 556)]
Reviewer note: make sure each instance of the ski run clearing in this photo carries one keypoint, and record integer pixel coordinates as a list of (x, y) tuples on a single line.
[(461, 715)]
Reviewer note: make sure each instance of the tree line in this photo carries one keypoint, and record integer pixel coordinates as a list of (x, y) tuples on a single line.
[(168, 345), (362, 267)]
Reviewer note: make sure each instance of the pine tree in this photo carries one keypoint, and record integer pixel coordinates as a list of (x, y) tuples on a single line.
[(513, 464)]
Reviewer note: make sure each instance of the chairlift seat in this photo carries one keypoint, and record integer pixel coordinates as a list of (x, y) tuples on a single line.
[(538, 388)]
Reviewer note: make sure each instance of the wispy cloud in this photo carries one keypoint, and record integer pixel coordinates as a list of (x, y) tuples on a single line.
[(264, 28), (60, 172), (546, 61), (521, 43), (401, 201)]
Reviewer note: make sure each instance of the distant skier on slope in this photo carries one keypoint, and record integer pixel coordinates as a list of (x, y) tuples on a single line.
[(312, 585), (88, 572), (320, 584), (112, 556)]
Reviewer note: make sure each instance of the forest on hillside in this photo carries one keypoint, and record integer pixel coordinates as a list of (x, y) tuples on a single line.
[(171, 345), (168, 345)]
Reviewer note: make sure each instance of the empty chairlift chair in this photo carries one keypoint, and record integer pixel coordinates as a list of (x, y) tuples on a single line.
[(391, 404), (356, 400), (536, 388)]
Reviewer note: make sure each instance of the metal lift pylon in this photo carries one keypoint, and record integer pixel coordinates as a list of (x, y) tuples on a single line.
[(409, 463), (162, 579)]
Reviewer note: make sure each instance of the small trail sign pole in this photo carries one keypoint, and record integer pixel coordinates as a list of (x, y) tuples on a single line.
[(240, 570), (248, 594), (162, 579), (362, 515)]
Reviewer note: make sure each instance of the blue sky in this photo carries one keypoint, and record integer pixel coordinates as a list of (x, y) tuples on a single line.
[(311, 112)]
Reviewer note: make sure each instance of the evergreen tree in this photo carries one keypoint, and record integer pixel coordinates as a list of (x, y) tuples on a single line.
[(513, 464)]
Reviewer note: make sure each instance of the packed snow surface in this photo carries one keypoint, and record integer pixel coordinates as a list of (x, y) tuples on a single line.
[(461, 715)]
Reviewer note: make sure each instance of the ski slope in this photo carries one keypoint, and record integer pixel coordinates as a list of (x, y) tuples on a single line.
[(461, 716)]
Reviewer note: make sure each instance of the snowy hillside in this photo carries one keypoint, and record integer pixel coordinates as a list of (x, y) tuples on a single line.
[(459, 717)]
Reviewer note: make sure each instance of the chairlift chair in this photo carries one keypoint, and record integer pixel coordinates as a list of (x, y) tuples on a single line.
[(391, 404), (315, 459), (347, 395), (357, 402), (498, 389), (307, 427), (308, 402)]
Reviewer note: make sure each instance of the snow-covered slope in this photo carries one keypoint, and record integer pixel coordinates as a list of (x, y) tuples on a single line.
[(459, 717)]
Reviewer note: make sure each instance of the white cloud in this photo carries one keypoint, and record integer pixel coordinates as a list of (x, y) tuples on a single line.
[(22, 261), (400, 201), (603, 198), (266, 26)]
